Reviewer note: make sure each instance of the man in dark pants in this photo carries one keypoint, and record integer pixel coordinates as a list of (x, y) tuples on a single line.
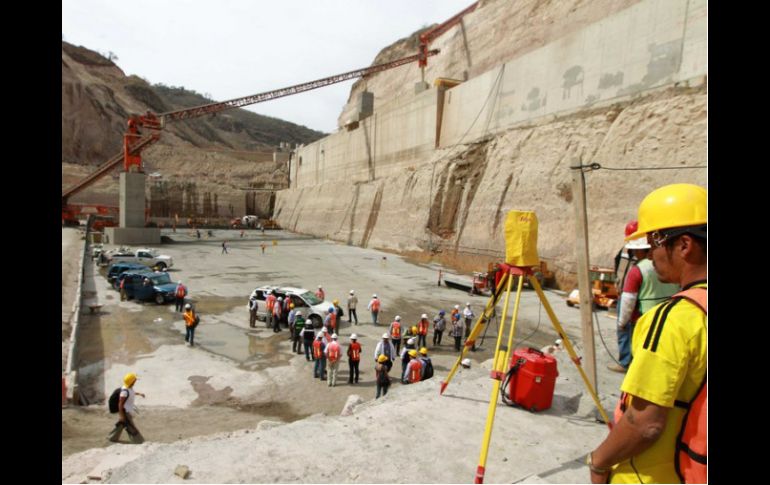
[(253, 306), (181, 292), (354, 358), (308, 335), (126, 410)]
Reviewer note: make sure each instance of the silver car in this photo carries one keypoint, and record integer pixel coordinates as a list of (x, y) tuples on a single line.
[(313, 308)]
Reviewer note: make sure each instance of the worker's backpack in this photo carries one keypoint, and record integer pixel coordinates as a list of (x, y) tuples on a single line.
[(428, 372), (114, 400)]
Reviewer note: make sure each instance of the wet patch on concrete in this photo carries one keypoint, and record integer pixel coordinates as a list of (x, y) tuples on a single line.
[(206, 393), (280, 410)]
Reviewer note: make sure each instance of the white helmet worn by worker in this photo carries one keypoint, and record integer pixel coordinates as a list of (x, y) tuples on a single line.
[(334, 336), (354, 337), (457, 307), (319, 287), (424, 315), (385, 335), (398, 318), (188, 306), (374, 295), (352, 292), (468, 304), (299, 314), (319, 335), (410, 341)]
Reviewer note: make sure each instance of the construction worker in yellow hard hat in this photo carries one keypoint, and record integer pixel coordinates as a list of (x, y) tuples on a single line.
[(669, 346), (381, 377), (426, 372), (413, 369), (126, 410)]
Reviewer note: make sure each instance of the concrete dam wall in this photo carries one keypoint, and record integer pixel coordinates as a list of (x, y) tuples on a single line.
[(440, 169)]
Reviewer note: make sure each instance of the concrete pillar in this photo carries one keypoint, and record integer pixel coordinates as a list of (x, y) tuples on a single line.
[(132, 199)]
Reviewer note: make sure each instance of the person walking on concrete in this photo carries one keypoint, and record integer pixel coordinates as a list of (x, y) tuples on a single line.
[(253, 306), (269, 305), (338, 313), (319, 354), (439, 325), (385, 347), (422, 330), (641, 290), (299, 328), (320, 293), (468, 316), (352, 302), (330, 320), (126, 411), (277, 312), (333, 353), (308, 335), (179, 294), (354, 357), (381, 376), (224, 247), (660, 422), (457, 329), (191, 321), (374, 307), (395, 333), (405, 356)]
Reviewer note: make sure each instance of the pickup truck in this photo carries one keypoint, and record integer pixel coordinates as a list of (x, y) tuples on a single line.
[(145, 256)]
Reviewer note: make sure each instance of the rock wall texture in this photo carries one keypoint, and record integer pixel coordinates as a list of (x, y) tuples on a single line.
[(454, 198)]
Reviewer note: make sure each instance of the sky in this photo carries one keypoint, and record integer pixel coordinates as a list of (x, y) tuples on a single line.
[(234, 48)]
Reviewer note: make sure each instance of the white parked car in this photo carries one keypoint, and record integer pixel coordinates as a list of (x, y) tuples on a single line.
[(313, 308)]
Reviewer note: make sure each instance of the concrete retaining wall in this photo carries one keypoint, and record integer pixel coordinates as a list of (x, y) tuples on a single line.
[(71, 374)]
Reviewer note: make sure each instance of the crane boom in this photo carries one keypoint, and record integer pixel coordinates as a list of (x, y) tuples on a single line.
[(134, 144), (428, 36), (279, 93)]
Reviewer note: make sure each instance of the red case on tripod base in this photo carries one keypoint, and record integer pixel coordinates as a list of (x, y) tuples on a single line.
[(532, 384)]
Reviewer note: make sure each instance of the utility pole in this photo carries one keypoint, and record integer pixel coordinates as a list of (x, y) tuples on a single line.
[(584, 283)]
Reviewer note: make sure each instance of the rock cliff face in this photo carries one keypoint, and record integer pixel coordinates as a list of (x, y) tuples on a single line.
[(201, 166), (454, 200)]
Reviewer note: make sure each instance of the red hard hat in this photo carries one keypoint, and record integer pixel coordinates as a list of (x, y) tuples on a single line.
[(631, 227)]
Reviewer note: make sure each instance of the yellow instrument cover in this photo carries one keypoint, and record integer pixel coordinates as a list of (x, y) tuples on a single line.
[(521, 238)]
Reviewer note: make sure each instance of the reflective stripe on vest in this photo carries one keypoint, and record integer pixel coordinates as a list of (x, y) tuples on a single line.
[(423, 327), (355, 352), (317, 353), (415, 371)]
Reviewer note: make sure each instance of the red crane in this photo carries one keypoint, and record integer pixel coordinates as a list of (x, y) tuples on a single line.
[(429, 35), (135, 140)]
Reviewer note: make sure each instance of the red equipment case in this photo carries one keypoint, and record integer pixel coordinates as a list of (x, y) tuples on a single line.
[(532, 383)]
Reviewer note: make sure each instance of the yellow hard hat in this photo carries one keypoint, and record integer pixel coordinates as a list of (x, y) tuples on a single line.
[(413, 353), (670, 206), (382, 358), (414, 329), (291, 305), (424, 351), (129, 379), (336, 301)]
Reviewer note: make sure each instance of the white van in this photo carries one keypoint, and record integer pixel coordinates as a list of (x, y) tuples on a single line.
[(313, 308)]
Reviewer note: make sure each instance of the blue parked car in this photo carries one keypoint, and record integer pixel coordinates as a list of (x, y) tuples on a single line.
[(148, 286), (117, 269)]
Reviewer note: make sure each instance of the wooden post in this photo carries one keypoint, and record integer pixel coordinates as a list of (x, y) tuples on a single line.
[(584, 283)]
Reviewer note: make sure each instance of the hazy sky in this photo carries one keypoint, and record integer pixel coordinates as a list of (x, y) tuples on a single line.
[(235, 48)]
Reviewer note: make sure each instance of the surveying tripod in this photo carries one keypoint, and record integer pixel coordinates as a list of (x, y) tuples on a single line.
[(506, 275)]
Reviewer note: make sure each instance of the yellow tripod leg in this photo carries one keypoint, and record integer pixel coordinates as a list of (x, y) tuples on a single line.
[(478, 327), (557, 326), (497, 373)]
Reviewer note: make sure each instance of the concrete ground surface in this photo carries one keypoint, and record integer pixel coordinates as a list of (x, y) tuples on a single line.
[(241, 407)]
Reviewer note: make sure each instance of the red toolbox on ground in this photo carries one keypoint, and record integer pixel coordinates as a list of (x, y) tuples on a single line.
[(533, 380)]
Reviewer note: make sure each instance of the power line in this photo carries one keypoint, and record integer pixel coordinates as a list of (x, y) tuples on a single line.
[(596, 166)]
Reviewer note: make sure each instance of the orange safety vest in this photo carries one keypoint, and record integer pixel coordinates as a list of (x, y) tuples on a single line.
[(334, 352), (395, 330), (269, 302), (375, 305), (355, 351), (414, 371), (180, 291), (691, 457), (317, 353), (422, 327)]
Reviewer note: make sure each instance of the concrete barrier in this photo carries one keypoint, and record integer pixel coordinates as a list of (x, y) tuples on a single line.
[(70, 379)]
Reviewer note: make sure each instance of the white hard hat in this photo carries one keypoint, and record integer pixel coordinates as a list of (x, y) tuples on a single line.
[(468, 304), (466, 363), (424, 315), (319, 286), (640, 243), (457, 307), (385, 335), (319, 335), (374, 295), (410, 341), (351, 292), (353, 337), (280, 298), (334, 336), (299, 314), (323, 329), (558, 342), (188, 306), (398, 318), (179, 282)]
